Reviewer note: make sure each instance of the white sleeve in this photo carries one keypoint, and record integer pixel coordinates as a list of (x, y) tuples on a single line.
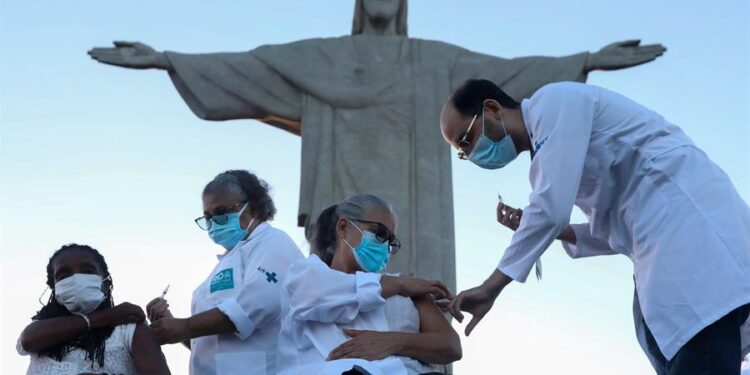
[(319, 293), (258, 302), (563, 115), (586, 245)]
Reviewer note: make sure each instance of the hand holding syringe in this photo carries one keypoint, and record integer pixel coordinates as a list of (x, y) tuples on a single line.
[(507, 215), (511, 218), (158, 307)]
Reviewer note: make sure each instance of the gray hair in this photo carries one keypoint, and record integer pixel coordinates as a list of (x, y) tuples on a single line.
[(358, 22), (244, 186), (353, 207)]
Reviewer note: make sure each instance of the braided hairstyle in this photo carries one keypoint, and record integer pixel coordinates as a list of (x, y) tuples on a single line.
[(94, 342), (324, 238), (247, 186)]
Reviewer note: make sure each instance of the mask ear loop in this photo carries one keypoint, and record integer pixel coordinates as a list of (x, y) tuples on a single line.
[(502, 122), (42, 295), (360, 232)]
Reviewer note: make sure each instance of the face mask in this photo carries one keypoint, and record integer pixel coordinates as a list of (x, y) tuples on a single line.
[(489, 154), (229, 233), (371, 254), (80, 293)]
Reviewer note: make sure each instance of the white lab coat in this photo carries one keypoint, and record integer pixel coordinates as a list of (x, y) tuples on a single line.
[(245, 285), (649, 193), (319, 302)]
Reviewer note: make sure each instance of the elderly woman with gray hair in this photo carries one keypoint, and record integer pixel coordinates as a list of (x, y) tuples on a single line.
[(342, 316), (235, 317)]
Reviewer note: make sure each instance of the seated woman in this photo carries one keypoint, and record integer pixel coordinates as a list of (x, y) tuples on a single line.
[(80, 330), (343, 316), (236, 311)]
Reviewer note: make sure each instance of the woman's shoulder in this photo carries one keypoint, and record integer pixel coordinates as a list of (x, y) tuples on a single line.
[(279, 238)]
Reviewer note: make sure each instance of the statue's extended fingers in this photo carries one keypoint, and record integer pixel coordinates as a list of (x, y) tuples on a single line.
[(100, 50), (651, 49)]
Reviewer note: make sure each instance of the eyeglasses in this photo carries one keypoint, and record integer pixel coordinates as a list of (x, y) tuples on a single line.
[(464, 143), (383, 234), (220, 216)]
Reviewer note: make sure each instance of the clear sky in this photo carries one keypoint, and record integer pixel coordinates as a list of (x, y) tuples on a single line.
[(113, 158)]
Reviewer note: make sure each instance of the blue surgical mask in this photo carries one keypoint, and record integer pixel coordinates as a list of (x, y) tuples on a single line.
[(229, 233), (489, 154), (371, 254)]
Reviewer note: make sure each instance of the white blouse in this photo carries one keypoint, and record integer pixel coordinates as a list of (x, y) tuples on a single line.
[(117, 357)]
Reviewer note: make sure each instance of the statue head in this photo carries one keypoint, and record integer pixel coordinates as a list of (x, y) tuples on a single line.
[(379, 11)]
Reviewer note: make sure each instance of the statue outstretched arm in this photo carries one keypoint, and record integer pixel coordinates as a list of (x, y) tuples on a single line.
[(521, 77), (626, 54), (218, 86)]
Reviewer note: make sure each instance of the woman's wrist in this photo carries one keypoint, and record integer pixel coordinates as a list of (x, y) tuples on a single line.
[(99, 319), (496, 283)]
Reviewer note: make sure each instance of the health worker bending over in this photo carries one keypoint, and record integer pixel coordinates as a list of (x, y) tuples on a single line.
[(345, 317), (236, 311), (649, 193)]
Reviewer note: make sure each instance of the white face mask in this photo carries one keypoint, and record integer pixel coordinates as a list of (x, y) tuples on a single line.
[(80, 293)]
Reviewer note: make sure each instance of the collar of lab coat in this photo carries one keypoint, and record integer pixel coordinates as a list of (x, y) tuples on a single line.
[(262, 227), (527, 124)]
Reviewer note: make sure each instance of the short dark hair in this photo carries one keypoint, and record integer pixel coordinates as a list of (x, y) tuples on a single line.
[(248, 187), (470, 96)]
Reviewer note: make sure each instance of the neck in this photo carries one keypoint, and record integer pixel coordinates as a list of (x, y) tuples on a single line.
[(339, 263), (517, 129), (379, 26)]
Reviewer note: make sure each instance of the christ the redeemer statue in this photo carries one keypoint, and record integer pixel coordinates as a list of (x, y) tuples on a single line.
[(367, 106)]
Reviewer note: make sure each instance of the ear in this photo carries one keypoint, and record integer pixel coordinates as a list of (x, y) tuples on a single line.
[(341, 228), (492, 109), (107, 285), (246, 216)]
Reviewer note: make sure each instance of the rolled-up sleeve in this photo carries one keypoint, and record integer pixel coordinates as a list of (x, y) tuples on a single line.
[(258, 302), (239, 317), (563, 114), (586, 245)]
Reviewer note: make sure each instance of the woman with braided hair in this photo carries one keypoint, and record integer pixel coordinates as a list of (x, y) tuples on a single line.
[(81, 330)]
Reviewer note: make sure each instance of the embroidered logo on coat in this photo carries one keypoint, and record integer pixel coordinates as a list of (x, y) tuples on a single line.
[(270, 276), (224, 279)]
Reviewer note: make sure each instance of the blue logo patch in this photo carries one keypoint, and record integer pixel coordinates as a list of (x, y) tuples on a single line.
[(224, 279), (538, 144), (270, 276)]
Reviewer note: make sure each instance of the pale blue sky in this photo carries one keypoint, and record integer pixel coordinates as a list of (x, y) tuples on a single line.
[(114, 158)]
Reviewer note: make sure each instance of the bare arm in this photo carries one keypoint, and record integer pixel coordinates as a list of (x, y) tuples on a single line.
[(46, 333), (412, 287), (436, 342), (147, 354)]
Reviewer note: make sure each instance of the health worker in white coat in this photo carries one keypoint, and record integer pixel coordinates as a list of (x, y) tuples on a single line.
[(235, 318), (648, 192)]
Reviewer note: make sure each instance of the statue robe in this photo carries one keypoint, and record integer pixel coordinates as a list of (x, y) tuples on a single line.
[(367, 126)]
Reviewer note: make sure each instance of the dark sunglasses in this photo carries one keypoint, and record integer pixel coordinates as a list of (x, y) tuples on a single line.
[(220, 216)]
